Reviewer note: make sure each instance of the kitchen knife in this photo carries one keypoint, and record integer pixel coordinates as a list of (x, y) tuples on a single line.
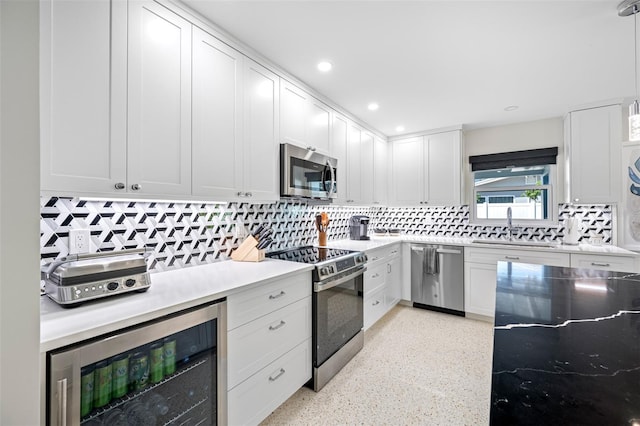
[(256, 233), (265, 243), (266, 233)]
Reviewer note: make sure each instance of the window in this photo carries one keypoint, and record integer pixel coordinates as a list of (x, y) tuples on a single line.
[(512, 181)]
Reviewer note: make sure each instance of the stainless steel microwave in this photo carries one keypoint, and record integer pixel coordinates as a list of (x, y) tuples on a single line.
[(305, 173)]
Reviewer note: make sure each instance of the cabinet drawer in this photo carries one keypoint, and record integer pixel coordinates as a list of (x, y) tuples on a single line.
[(251, 304), (492, 256), (374, 277), (376, 255), (374, 306), (606, 263), (260, 342), (254, 399)]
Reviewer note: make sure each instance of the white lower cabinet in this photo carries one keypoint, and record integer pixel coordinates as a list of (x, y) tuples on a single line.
[(480, 274), (254, 399), (268, 347), (382, 282), (606, 263)]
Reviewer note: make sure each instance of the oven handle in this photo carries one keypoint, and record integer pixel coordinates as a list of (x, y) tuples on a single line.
[(321, 286)]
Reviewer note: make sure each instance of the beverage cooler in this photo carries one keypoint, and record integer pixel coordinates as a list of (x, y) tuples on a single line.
[(167, 372)]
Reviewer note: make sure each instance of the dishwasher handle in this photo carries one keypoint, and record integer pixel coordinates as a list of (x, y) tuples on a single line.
[(439, 251)]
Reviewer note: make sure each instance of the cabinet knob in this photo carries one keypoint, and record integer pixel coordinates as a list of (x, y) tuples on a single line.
[(248, 194), (136, 187), (120, 185)]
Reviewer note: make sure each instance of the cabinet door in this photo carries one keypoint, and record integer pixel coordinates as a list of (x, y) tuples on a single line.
[(354, 165), (261, 117), (480, 282), (159, 127), (217, 117), (380, 165), (318, 129), (407, 171), (366, 168), (595, 137), (293, 114), (443, 170), (83, 95), (339, 137), (394, 281)]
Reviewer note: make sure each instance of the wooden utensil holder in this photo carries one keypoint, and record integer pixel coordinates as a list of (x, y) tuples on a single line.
[(247, 251), (322, 238)]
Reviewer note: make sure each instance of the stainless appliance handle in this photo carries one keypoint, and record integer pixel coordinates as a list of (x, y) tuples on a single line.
[(448, 251), (332, 190), (62, 402), (321, 286), (145, 252)]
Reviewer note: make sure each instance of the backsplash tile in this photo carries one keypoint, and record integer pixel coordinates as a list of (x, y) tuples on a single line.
[(184, 234)]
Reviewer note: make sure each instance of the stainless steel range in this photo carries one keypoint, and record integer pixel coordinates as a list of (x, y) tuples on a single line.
[(337, 306)]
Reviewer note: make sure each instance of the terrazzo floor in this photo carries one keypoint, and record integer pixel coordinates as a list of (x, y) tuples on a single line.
[(417, 368)]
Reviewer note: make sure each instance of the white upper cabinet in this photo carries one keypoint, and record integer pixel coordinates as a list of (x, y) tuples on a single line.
[(338, 148), (380, 166), (366, 168), (235, 117), (592, 155), (83, 95), (217, 117), (304, 121), (407, 164), (426, 170), (261, 132), (354, 165), (159, 80)]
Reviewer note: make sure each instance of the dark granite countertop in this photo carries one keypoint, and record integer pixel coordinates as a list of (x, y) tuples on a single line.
[(566, 347)]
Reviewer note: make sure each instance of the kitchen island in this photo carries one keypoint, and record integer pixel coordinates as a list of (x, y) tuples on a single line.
[(566, 346)]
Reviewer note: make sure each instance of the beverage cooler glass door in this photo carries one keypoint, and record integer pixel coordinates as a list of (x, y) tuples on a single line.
[(166, 372)]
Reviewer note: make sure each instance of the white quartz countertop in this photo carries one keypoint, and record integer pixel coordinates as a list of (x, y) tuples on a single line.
[(170, 292), (381, 241)]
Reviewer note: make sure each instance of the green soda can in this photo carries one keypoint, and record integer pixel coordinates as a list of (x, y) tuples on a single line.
[(156, 362), (102, 384), (120, 373), (169, 355), (86, 391), (139, 371)]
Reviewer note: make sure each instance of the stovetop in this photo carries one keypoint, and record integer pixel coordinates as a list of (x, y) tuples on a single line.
[(309, 254), (329, 262)]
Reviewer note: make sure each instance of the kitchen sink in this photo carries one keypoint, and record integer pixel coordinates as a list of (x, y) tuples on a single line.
[(516, 243)]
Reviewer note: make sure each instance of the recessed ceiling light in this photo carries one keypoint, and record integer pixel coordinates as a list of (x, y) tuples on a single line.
[(400, 129), (373, 106), (511, 108), (325, 66)]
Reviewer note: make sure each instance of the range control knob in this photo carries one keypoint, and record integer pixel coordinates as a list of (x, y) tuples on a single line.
[(130, 282), (112, 285), (324, 270), (332, 269)]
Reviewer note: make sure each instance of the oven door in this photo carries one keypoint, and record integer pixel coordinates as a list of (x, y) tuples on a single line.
[(305, 173), (338, 313)]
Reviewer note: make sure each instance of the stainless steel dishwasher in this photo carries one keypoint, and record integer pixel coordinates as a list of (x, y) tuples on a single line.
[(437, 277)]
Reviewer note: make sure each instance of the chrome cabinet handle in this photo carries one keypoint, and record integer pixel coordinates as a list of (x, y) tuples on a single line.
[(136, 187), (376, 275), (388, 267), (120, 185), (271, 296), (275, 327), (377, 302), (62, 402), (240, 194), (600, 264), (248, 194), (448, 251), (373, 259), (277, 376), (311, 148), (512, 257)]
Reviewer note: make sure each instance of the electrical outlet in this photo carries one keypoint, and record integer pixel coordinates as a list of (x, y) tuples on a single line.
[(79, 241)]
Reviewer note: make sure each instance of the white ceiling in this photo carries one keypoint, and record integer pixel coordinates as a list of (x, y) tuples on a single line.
[(434, 64)]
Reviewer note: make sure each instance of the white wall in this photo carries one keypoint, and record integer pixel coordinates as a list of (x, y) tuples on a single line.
[(516, 137), (19, 214)]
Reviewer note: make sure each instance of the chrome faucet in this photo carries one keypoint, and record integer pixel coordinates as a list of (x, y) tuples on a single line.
[(510, 223)]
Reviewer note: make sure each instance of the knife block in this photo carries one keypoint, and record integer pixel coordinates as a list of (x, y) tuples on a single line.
[(247, 251)]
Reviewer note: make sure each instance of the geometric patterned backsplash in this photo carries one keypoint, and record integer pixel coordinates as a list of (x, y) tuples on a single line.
[(184, 234)]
